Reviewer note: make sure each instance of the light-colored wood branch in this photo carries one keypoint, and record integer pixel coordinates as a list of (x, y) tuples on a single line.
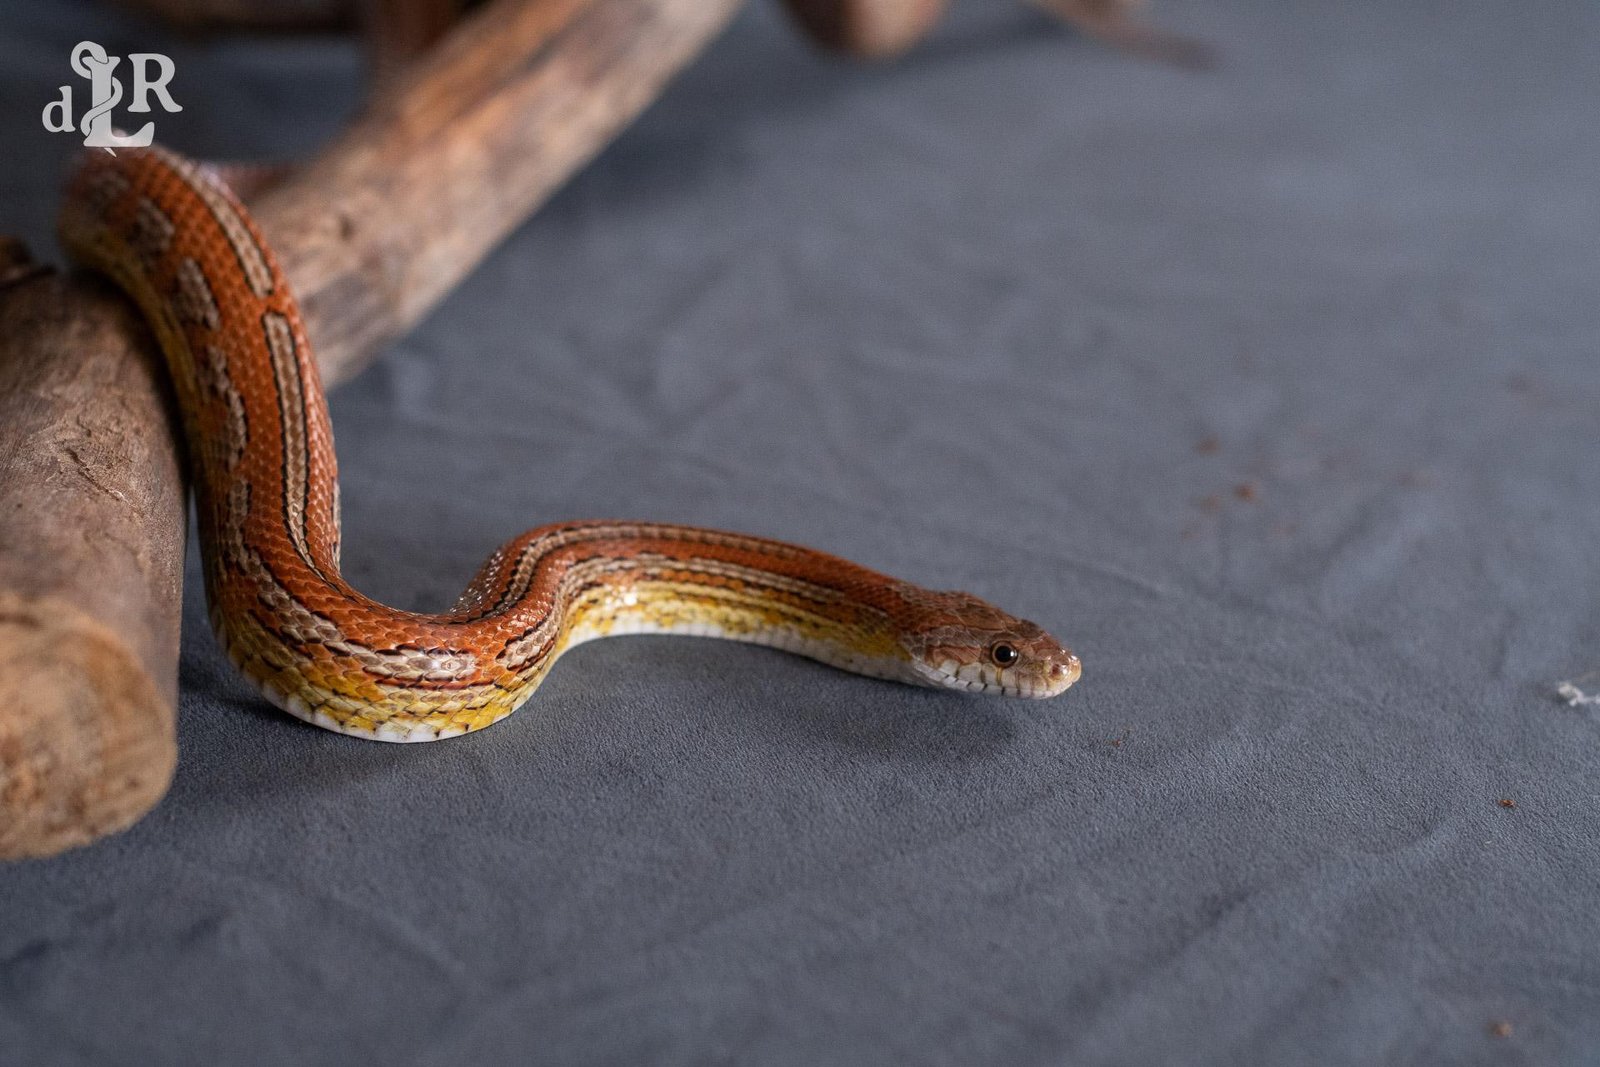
[(382, 224), (92, 524)]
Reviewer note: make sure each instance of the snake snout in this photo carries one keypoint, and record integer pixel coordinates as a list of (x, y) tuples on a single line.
[(1066, 670)]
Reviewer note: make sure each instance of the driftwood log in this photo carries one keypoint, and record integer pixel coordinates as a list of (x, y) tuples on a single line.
[(455, 153), (92, 523)]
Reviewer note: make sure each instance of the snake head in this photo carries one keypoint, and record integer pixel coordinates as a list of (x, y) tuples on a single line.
[(958, 641)]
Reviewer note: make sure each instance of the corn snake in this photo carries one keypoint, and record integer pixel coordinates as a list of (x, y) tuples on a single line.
[(172, 235)]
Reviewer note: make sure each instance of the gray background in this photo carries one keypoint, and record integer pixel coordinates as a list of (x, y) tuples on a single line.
[(972, 319)]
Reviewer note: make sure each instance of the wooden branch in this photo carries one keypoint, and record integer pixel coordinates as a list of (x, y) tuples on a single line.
[(371, 235), (877, 29), (291, 16), (92, 523), (871, 29), (376, 230), (397, 31)]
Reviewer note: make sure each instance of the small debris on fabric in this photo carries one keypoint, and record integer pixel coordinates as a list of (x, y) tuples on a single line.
[(1507, 802), (1501, 1029), (1574, 696)]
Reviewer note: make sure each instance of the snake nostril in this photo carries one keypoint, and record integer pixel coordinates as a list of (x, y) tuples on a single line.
[(1066, 668)]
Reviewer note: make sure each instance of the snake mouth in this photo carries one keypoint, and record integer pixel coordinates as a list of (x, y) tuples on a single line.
[(989, 681)]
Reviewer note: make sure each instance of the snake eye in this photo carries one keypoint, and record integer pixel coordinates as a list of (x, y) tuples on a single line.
[(1003, 654)]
